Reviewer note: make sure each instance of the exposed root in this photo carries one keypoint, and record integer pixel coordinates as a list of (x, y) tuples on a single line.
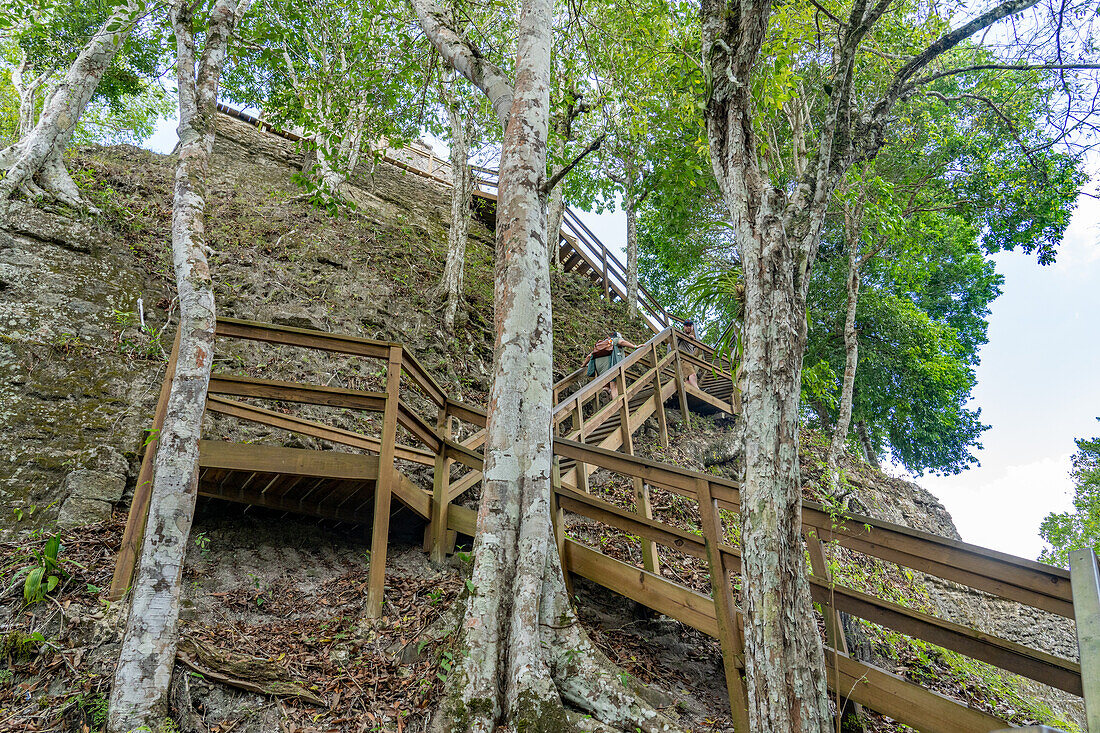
[(546, 691), (38, 176)]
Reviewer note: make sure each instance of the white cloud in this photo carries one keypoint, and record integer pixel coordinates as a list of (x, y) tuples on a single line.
[(1001, 507)]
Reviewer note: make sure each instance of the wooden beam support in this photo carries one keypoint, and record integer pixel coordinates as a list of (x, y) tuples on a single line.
[(126, 562), (662, 423), (381, 530), (304, 337), (271, 418), (312, 394), (1086, 601), (256, 458), (440, 492), (730, 636)]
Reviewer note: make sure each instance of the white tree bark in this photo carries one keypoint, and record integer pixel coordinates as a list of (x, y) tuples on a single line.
[(524, 653), (851, 347), (34, 164), (139, 693), (631, 207), (450, 288), (555, 215)]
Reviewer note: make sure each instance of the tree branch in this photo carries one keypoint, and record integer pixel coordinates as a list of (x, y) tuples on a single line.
[(1001, 115), (1000, 67), (592, 146), (464, 58)]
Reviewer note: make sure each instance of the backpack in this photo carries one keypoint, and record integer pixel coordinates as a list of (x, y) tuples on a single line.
[(604, 347)]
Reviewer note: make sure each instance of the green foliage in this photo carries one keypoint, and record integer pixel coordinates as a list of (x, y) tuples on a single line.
[(43, 575), (44, 38), (346, 73), (1079, 528)]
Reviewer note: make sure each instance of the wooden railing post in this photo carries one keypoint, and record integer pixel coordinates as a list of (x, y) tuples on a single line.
[(1085, 580), (643, 506), (662, 422), (128, 553), (441, 484), (384, 488), (834, 630), (580, 468), (729, 634), (557, 520), (680, 390)]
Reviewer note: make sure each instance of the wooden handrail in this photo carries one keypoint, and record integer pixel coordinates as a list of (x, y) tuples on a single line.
[(1015, 578), (1047, 668), (604, 379)]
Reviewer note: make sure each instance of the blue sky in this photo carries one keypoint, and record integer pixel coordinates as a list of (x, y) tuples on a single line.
[(1038, 382)]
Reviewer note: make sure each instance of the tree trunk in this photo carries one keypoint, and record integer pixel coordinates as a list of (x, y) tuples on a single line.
[(524, 653), (327, 171), (630, 205), (851, 353), (33, 164), (869, 451), (784, 662), (450, 287), (554, 217), (139, 694)]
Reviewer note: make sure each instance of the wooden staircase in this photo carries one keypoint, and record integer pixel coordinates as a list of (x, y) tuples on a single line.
[(594, 433)]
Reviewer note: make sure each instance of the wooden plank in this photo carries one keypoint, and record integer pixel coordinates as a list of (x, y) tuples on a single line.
[(294, 461), (685, 413), (729, 635), (1031, 583), (662, 423), (663, 596), (254, 497), (305, 337), (870, 686), (557, 522), (643, 507), (411, 495), (419, 428), (1007, 655), (312, 394), (705, 396), (466, 413), (906, 702), (126, 561), (441, 478), (602, 511), (263, 416), (1086, 600), (423, 379), (458, 488), (380, 532), (935, 557), (465, 456), (463, 520)]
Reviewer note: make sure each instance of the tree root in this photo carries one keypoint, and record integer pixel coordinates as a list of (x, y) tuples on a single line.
[(38, 177), (570, 687)]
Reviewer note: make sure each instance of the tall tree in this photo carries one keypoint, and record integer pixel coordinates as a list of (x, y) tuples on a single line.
[(524, 654), (462, 123), (1080, 528), (139, 693), (763, 58), (33, 164)]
